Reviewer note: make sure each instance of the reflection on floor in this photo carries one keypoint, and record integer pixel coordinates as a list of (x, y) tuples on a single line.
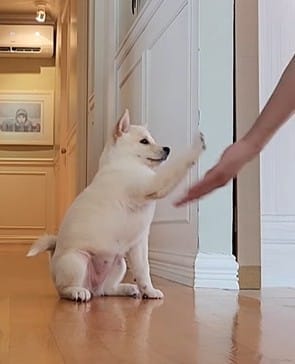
[(187, 327)]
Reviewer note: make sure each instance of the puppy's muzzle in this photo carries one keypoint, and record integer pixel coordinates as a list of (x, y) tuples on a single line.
[(163, 154)]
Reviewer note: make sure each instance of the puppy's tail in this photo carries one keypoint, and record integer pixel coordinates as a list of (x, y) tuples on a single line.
[(44, 243)]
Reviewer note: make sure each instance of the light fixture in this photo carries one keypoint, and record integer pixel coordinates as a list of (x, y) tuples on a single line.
[(41, 13)]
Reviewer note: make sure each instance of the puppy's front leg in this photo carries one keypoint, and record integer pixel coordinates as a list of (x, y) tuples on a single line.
[(170, 174), (138, 259)]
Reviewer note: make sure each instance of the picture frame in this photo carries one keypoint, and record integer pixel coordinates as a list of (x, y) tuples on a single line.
[(26, 118)]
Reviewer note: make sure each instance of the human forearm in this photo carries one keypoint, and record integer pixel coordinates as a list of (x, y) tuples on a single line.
[(278, 109), (276, 112)]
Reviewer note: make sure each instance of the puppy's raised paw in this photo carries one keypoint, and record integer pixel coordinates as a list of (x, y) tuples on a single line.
[(202, 137), (199, 142)]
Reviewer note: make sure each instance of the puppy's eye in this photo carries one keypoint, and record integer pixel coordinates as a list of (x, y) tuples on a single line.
[(144, 141)]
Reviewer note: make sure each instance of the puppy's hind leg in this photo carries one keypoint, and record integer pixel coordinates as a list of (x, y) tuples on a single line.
[(113, 286), (70, 275), (138, 256)]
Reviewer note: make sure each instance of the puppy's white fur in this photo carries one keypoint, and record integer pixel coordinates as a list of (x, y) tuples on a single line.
[(111, 218)]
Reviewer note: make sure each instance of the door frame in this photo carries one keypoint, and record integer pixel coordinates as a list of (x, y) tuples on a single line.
[(81, 47), (82, 73), (247, 109)]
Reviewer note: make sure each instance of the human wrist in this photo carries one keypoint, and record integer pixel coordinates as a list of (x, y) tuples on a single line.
[(252, 146)]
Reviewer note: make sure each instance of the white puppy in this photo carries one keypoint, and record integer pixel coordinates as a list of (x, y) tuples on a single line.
[(111, 218)]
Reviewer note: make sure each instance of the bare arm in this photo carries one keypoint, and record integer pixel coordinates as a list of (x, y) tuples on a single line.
[(279, 108), (276, 112)]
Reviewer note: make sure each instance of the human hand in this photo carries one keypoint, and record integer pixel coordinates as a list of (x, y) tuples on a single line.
[(231, 161)]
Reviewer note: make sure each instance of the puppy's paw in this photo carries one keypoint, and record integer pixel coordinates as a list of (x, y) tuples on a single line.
[(197, 147), (78, 294), (130, 290), (152, 293), (81, 294), (202, 137), (123, 289), (199, 143)]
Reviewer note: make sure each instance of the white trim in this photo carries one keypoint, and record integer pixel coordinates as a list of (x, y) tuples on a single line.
[(142, 21), (216, 271), (215, 266), (175, 266), (137, 28)]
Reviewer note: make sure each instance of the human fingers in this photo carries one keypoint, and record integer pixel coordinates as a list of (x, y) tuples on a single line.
[(213, 179)]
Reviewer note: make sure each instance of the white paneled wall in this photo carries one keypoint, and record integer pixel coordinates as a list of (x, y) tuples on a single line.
[(276, 47), (174, 70), (156, 78)]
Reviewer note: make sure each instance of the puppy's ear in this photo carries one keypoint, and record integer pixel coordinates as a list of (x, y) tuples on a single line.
[(122, 125)]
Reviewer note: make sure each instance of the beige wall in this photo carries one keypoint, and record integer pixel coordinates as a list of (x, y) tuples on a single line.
[(27, 184), (18, 74), (247, 96)]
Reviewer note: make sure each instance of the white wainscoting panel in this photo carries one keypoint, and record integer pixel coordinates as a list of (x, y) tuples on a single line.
[(276, 47)]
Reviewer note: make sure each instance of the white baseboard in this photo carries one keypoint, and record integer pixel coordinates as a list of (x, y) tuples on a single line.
[(175, 266), (216, 271)]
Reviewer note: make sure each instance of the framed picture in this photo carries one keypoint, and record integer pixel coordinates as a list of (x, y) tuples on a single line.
[(26, 118)]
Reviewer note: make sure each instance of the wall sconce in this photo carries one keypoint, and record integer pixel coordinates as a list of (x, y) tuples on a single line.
[(41, 14)]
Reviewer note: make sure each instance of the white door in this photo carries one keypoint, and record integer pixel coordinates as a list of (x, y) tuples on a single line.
[(277, 46), (156, 78), (66, 166)]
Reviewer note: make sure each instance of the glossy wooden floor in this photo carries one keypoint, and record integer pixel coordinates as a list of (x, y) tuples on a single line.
[(187, 327)]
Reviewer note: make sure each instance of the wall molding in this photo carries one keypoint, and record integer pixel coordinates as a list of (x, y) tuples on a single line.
[(216, 271), (204, 271), (174, 266), (22, 227), (18, 239), (137, 28), (27, 162), (142, 21)]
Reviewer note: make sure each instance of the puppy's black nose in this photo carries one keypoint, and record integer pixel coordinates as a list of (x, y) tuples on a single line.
[(166, 150)]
